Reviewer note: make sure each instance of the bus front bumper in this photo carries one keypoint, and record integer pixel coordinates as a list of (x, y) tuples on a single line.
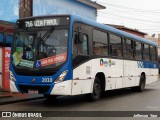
[(62, 88)]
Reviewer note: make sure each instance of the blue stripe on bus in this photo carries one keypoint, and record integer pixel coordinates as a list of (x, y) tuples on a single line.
[(142, 64)]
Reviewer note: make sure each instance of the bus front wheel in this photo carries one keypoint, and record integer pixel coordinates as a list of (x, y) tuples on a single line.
[(97, 90)]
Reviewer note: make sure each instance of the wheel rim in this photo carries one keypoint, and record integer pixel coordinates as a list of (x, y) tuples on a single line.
[(142, 85), (96, 90)]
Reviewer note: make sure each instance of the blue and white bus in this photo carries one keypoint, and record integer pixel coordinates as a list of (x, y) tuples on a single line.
[(71, 55)]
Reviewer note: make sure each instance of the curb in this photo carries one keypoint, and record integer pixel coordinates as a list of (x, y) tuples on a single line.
[(20, 100), (5, 96), (3, 90)]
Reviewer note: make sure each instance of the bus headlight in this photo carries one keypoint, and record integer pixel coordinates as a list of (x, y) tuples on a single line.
[(11, 77), (61, 77)]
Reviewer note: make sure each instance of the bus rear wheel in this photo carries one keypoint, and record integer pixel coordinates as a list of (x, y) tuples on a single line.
[(141, 86), (97, 91)]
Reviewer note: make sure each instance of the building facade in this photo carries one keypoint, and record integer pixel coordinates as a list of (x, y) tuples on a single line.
[(75, 7), (129, 30), (11, 10)]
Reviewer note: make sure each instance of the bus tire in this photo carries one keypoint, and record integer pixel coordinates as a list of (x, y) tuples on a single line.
[(97, 91), (141, 86)]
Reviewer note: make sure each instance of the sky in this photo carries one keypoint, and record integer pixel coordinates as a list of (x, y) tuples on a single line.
[(143, 15)]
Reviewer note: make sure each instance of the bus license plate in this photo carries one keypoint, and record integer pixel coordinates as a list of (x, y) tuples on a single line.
[(33, 91)]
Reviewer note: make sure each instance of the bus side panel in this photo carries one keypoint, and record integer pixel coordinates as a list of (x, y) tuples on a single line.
[(82, 79), (150, 69), (112, 69), (13, 87), (111, 83), (131, 73), (117, 67), (62, 88), (82, 86), (153, 73)]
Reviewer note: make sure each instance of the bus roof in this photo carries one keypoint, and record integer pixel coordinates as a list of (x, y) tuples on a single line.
[(77, 18), (111, 29)]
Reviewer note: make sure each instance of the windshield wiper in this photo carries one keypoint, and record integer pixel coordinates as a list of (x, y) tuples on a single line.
[(47, 34)]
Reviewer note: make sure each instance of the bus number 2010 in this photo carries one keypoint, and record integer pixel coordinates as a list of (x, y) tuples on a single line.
[(47, 80)]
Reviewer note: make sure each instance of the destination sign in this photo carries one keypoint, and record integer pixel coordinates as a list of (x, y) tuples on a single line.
[(36, 22), (42, 22)]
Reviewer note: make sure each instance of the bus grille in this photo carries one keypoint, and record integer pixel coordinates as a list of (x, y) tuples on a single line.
[(41, 89)]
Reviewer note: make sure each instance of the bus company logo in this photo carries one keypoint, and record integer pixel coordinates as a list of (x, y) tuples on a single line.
[(105, 63)]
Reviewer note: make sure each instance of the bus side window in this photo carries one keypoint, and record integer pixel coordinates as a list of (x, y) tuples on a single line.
[(138, 51), (75, 42), (146, 56), (100, 43), (85, 44), (128, 49), (115, 46), (153, 53), (80, 46)]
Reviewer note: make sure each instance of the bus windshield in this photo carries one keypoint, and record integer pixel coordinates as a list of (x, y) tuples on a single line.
[(40, 48)]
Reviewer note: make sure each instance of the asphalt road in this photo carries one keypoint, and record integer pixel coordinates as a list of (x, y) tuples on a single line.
[(117, 100)]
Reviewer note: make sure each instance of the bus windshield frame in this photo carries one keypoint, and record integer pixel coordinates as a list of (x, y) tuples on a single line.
[(51, 41)]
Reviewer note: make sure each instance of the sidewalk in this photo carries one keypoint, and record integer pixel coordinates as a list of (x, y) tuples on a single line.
[(8, 98)]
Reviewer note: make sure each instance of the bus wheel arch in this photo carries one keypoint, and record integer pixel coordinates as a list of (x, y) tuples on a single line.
[(98, 87), (101, 77), (142, 82)]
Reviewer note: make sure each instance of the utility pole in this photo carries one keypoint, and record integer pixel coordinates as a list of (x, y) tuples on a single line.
[(25, 8)]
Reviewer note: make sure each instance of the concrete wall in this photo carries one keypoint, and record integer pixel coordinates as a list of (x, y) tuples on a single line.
[(9, 10), (48, 7)]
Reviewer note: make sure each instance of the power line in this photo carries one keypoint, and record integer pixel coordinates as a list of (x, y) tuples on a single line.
[(135, 9), (151, 31), (117, 9), (137, 19), (146, 15), (138, 22)]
